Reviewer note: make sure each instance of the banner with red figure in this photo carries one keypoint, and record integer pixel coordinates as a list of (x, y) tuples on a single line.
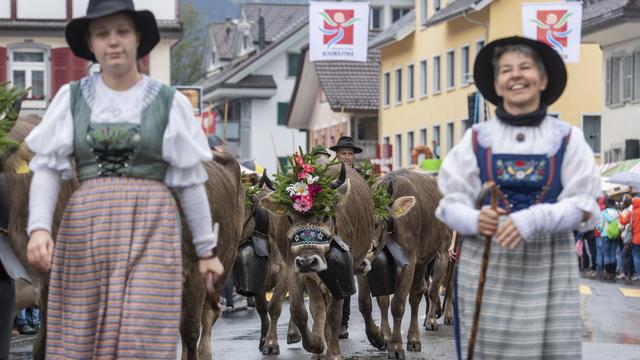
[(338, 31), (557, 24)]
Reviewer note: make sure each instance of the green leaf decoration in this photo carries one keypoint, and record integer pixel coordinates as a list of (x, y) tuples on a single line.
[(381, 199), (328, 19), (563, 20), (350, 22), (540, 24), (8, 115)]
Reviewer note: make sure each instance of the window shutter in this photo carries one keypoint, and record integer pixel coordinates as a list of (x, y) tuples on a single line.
[(283, 109), (3, 64), (607, 87), (636, 75), (627, 77), (65, 67)]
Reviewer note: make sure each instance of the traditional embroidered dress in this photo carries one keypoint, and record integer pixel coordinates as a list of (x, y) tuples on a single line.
[(530, 307), (116, 277)]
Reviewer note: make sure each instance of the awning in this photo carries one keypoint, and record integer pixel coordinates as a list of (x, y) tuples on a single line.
[(631, 165)]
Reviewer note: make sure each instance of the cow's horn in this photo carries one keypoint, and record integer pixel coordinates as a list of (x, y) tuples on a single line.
[(390, 187), (265, 179), (341, 179)]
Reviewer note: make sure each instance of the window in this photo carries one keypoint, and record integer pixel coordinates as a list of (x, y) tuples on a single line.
[(424, 13), (607, 86), (464, 65), (409, 146), (423, 136), (245, 42), (423, 78), (28, 69), (293, 62), (386, 140), (451, 81), (436, 74), (374, 18), (283, 109), (591, 129), (398, 85), (234, 113), (436, 5), (436, 139), (450, 131), (410, 82), (398, 151), (387, 91), (397, 13), (464, 126), (479, 45), (636, 75)]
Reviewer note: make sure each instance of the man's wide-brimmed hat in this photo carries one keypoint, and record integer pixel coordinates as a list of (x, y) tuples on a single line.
[(346, 142), (77, 29), (483, 73)]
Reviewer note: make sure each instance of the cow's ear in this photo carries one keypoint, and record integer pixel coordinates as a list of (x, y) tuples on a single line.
[(271, 206), (343, 191), (402, 205)]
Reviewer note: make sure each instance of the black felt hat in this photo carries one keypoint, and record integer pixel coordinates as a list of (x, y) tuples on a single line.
[(553, 63), (77, 29), (346, 142)]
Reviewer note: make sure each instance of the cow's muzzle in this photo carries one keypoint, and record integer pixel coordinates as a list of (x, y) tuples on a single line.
[(310, 264)]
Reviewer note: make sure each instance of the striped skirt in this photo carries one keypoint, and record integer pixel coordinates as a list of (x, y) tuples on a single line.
[(116, 279), (531, 303)]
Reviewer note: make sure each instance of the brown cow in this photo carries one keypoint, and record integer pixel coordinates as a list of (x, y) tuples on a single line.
[(422, 237), (226, 197), (277, 274), (354, 224)]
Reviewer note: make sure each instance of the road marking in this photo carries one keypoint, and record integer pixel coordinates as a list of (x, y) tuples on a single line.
[(630, 292), (585, 290)]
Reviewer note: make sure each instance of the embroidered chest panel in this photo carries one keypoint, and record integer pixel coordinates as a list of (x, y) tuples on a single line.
[(531, 169), (113, 136)]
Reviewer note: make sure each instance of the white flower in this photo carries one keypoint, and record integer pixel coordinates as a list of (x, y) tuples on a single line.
[(312, 179), (299, 188)]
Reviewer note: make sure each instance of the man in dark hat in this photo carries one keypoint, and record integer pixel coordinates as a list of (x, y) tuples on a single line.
[(345, 150), (548, 182)]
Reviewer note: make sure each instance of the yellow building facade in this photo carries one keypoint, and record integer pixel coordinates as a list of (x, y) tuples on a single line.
[(417, 108)]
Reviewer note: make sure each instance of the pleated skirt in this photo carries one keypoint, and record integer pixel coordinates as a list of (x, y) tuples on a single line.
[(531, 303), (116, 279)]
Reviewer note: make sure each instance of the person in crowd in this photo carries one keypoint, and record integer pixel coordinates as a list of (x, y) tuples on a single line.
[(28, 321), (345, 150), (548, 185), (632, 222), (436, 149), (116, 265), (600, 241), (610, 232)]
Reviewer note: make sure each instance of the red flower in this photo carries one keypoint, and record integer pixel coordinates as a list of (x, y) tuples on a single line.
[(314, 189), (520, 163)]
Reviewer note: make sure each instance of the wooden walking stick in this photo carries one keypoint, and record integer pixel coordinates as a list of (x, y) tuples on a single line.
[(489, 186)]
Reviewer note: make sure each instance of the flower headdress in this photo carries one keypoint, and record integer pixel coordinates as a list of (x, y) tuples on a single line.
[(379, 194), (306, 186)]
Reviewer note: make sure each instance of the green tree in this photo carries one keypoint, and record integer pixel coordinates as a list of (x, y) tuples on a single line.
[(186, 56)]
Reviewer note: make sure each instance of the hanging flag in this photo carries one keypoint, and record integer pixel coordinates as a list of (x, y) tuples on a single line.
[(338, 31), (556, 24)]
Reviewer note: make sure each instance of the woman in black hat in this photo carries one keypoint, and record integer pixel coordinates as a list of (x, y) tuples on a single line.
[(116, 272), (548, 185)]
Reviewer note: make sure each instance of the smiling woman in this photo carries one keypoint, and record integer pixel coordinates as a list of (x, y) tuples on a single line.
[(548, 184)]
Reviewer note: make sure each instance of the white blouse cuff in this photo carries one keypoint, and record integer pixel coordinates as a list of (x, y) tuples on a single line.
[(181, 177), (589, 205), (458, 216), (52, 162)]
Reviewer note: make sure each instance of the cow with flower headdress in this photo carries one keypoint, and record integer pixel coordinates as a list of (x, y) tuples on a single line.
[(331, 225)]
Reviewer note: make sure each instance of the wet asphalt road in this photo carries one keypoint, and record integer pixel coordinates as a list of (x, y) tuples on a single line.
[(610, 314)]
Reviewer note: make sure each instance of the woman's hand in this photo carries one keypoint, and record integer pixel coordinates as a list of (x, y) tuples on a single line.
[(508, 235), (212, 266), (40, 250), (488, 221)]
